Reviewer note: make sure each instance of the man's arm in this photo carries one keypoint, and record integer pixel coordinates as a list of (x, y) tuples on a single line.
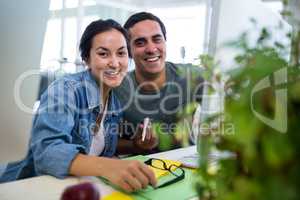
[(126, 146)]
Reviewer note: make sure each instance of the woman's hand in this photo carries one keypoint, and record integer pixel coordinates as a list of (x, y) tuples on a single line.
[(130, 175)]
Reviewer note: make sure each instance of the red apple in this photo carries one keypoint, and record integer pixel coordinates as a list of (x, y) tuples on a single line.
[(82, 191)]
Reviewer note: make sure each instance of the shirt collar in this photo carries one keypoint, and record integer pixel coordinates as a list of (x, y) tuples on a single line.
[(92, 90), (113, 107), (93, 95)]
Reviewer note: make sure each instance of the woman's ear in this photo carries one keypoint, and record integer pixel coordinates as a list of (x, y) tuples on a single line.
[(85, 62)]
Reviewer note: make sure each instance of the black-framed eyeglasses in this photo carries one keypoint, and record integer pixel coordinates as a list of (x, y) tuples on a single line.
[(175, 170)]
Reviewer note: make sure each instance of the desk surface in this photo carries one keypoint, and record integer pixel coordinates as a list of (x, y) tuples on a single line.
[(51, 188)]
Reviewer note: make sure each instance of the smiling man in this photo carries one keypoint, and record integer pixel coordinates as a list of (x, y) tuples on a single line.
[(156, 89)]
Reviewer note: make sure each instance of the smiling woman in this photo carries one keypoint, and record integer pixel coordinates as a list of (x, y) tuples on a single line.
[(106, 55), (74, 130), (108, 65)]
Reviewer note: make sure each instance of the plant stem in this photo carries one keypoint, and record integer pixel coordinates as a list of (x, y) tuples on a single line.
[(295, 53)]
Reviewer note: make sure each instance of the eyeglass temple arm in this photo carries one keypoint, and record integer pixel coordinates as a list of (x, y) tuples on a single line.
[(148, 162), (179, 178)]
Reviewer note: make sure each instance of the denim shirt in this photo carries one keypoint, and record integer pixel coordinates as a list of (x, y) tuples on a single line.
[(63, 127)]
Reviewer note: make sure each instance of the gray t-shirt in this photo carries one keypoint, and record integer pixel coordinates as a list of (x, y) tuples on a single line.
[(183, 85)]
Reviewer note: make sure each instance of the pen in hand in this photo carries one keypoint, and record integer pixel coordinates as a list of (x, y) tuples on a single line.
[(145, 139), (145, 127)]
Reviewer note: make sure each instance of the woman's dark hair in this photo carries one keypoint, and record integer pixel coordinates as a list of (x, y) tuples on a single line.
[(94, 28), (141, 16)]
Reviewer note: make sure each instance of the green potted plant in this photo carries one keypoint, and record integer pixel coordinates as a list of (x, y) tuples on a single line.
[(262, 103)]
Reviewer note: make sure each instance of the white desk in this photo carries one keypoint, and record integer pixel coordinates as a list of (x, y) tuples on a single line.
[(176, 153), (50, 188)]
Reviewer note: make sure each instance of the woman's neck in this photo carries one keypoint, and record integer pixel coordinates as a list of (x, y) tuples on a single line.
[(104, 92)]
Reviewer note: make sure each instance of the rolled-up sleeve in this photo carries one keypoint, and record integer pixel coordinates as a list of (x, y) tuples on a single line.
[(51, 141)]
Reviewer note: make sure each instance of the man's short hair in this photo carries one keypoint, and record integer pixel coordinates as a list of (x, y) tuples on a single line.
[(141, 16)]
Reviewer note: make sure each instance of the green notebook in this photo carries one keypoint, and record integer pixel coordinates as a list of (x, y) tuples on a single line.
[(181, 190)]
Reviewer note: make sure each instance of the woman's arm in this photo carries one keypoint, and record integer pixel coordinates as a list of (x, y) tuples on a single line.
[(51, 140), (130, 175)]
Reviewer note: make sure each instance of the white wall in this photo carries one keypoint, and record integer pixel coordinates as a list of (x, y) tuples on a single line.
[(229, 19), (23, 24), (234, 18), (294, 7)]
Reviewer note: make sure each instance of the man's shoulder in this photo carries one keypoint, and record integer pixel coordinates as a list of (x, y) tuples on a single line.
[(183, 70)]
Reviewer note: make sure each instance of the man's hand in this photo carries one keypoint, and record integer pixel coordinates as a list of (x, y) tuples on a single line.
[(151, 140)]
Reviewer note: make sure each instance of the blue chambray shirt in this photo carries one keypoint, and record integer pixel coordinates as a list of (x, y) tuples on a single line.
[(63, 127)]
